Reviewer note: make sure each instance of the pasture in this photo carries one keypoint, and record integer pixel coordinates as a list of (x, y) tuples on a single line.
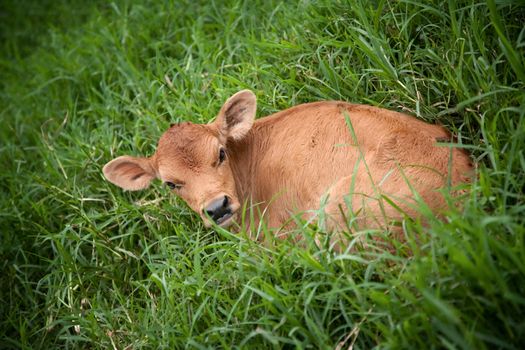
[(87, 265)]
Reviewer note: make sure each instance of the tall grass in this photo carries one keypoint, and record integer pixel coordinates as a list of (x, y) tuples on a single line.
[(86, 265)]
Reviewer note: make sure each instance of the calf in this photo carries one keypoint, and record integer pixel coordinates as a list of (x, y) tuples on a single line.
[(361, 163)]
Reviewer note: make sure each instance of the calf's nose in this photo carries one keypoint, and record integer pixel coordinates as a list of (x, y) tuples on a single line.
[(219, 209)]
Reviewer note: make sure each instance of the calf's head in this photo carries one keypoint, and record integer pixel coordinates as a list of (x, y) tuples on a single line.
[(192, 159)]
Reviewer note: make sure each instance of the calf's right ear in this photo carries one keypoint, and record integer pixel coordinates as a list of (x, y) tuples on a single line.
[(237, 114), (130, 173)]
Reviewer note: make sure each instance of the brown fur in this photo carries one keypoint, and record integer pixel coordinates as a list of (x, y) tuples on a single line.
[(285, 163)]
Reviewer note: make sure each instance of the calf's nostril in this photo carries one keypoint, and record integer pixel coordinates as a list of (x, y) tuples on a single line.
[(225, 202)]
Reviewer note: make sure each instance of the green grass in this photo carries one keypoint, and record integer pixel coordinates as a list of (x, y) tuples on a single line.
[(86, 265)]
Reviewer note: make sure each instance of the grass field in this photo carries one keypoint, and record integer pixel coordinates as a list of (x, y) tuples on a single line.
[(87, 265)]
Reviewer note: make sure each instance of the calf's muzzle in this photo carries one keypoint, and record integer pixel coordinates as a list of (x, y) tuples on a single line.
[(219, 209)]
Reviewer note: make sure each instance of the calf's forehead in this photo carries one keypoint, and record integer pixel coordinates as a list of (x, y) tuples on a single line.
[(187, 146)]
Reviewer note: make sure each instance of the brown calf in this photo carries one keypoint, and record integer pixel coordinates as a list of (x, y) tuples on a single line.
[(354, 156)]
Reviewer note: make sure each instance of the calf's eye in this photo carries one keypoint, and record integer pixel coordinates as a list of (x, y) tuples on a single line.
[(173, 186), (222, 155)]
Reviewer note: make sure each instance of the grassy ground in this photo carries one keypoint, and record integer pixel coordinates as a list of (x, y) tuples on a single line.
[(86, 265)]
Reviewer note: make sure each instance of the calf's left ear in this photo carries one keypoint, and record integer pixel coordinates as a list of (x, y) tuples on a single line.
[(130, 173), (236, 116)]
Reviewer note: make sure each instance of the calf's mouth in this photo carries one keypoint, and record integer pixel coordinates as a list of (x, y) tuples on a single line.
[(225, 220)]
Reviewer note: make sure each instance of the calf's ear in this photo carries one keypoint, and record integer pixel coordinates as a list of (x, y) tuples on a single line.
[(130, 173), (236, 116)]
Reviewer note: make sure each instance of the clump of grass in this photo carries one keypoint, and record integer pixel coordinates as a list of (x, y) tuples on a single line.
[(87, 265)]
